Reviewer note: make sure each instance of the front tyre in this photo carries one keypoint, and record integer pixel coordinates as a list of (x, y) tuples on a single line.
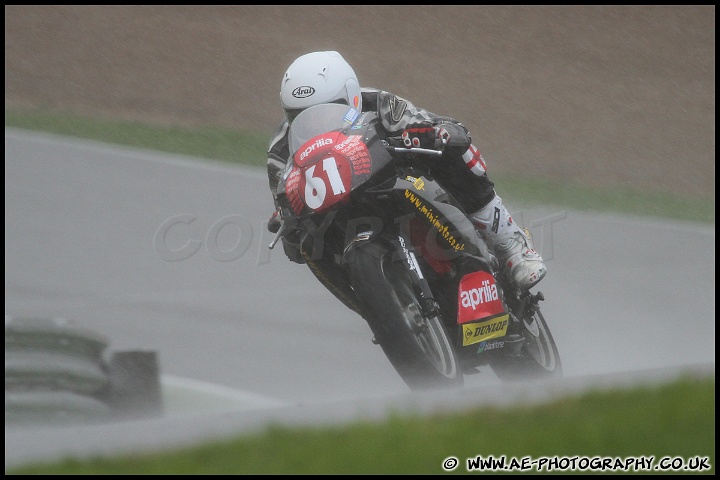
[(419, 348)]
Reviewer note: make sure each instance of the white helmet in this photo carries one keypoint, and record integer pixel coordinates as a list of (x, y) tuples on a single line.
[(318, 77)]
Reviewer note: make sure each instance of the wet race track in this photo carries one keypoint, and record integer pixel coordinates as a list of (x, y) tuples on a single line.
[(170, 254)]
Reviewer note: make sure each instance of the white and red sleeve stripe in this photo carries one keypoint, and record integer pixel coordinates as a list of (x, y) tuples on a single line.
[(474, 160)]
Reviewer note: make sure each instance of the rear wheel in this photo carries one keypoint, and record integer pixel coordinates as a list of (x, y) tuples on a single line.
[(536, 356), (419, 348)]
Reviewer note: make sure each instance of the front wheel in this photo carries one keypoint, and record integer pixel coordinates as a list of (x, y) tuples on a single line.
[(536, 356), (418, 347)]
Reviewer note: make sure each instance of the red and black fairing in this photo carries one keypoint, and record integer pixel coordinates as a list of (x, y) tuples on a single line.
[(439, 229), (327, 168), (443, 237), (327, 176)]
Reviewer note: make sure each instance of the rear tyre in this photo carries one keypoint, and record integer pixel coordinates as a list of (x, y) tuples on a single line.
[(419, 348), (537, 357)]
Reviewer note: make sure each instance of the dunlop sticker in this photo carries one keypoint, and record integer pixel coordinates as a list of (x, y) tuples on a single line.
[(478, 332)]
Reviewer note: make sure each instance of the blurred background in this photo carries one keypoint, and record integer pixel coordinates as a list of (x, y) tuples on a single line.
[(602, 96)]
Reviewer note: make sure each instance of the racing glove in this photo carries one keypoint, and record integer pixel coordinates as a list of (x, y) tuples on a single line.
[(421, 135), (448, 137)]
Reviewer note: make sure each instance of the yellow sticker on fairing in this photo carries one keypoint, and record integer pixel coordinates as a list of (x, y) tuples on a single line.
[(418, 183), (477, 332)]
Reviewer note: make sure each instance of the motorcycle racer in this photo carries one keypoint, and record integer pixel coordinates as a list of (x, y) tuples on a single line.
[(325, 77)]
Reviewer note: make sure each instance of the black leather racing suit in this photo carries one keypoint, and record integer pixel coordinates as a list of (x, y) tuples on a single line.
[(462, 173)]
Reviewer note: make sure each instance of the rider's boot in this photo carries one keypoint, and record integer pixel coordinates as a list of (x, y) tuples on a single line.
[(512, 246)]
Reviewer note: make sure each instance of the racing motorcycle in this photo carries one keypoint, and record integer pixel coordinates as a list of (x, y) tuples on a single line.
[(366, 216)]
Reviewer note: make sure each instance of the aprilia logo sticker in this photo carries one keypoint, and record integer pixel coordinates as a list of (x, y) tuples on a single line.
[(320, 142), (478, 297)]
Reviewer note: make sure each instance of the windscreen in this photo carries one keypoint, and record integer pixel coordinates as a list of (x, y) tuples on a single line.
[(317, 120)]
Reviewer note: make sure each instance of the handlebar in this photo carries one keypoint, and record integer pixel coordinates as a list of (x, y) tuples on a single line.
[(426, 151)]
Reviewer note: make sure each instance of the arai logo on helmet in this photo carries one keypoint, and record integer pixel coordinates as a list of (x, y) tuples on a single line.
[(303, 92)]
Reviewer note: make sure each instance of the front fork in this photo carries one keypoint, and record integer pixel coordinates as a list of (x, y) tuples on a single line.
[(405, 250)]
